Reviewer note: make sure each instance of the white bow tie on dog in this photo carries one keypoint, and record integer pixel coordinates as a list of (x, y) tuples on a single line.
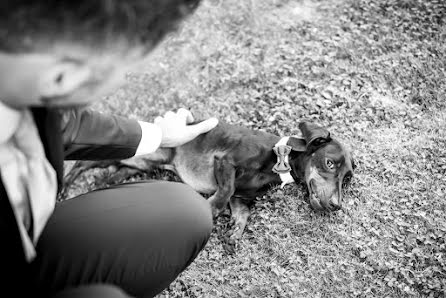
[(29, 179), (285, 177)]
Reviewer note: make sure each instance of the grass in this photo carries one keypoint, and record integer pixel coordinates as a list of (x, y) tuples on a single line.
[(374, 73)]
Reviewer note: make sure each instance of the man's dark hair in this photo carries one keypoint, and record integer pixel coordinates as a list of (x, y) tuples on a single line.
[(26, 25)]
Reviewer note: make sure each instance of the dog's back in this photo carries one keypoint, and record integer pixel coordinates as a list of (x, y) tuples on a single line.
[(247, 148)]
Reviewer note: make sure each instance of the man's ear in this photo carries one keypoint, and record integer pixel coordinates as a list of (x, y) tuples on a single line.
[(29, 78), (62, 79)]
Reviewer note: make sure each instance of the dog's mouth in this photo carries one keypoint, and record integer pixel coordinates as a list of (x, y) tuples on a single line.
[(324, 200)]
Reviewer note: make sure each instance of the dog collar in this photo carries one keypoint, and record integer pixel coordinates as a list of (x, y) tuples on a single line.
[(282, 167)]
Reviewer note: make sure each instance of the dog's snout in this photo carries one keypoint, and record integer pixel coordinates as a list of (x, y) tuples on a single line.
[(334, 203), (331, 204)]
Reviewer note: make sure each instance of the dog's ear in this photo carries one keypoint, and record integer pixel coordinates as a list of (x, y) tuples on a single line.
[(314, 134), (297, 144)]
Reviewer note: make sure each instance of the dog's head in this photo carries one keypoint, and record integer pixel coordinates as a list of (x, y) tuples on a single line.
[(324, 164)]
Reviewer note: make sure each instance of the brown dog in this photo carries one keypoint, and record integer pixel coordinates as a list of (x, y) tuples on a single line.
[(235, 165)]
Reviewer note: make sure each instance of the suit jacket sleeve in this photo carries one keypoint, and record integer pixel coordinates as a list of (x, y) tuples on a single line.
[(90, 135)]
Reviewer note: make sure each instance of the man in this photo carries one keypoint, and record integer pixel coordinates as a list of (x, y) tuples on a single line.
[(56, 57)]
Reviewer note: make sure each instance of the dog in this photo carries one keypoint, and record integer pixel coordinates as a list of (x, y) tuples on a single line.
[(234, 165)]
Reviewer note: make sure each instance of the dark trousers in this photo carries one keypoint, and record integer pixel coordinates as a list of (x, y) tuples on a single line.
[(131, 239)]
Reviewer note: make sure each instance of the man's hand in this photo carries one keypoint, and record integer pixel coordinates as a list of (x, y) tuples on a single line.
[(176, 131)]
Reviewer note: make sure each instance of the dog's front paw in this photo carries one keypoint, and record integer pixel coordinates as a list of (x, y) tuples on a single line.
[(230, 244), (235, 233), (232, 238), (230, 247)]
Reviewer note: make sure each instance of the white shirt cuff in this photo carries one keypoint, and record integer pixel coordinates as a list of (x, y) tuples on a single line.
[(150, 138)]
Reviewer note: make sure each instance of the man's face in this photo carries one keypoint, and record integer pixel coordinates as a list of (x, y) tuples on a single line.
[(66, 76)]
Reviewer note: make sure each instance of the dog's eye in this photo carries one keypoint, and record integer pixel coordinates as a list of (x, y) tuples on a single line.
[(330, 164)]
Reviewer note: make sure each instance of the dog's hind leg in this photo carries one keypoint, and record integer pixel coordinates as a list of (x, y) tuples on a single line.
[(224, 173)]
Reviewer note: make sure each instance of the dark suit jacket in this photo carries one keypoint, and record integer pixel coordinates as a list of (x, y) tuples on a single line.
[(75, 134)]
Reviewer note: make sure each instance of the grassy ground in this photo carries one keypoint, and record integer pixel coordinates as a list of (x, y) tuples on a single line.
[(373, 71)]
